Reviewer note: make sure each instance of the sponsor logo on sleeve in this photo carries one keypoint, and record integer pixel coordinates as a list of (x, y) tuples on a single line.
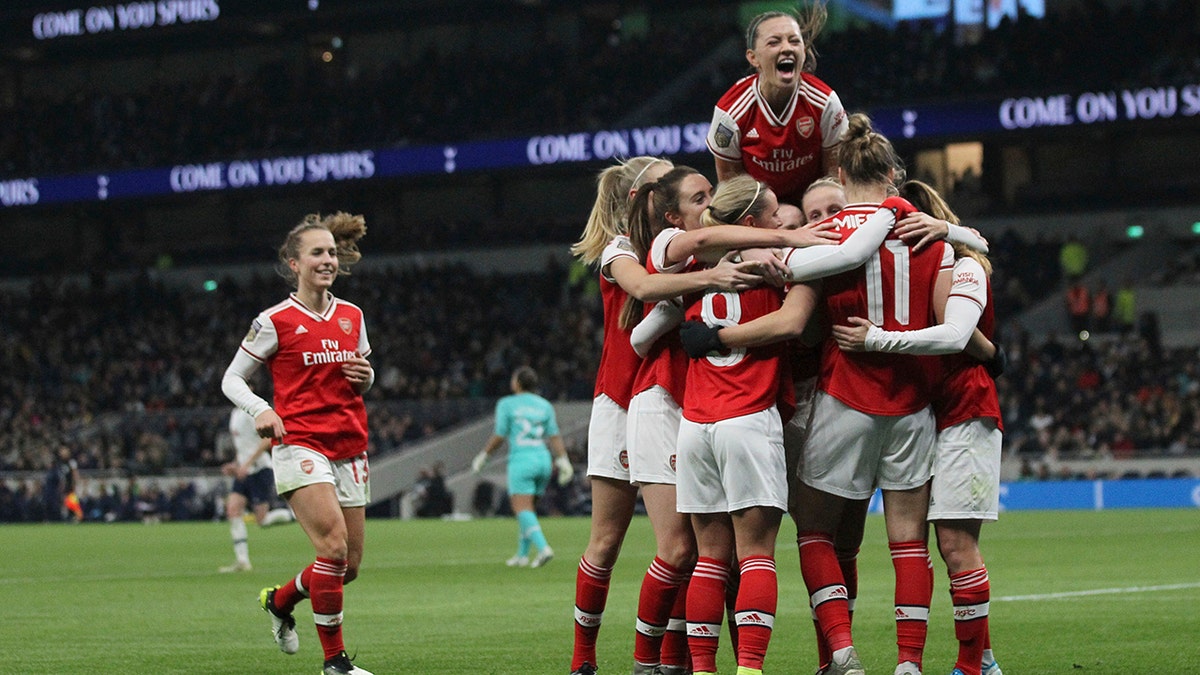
[(723, 136), (255, 327)]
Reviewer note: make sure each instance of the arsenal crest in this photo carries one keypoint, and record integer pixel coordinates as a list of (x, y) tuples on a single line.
[(345, 324), (307, 466), (805, 126)]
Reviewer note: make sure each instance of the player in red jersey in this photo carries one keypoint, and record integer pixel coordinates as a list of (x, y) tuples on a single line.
[(605, 242), (665, 230), (782, 124), (966, 480), (871, 420), (315, 347), (731, 460)]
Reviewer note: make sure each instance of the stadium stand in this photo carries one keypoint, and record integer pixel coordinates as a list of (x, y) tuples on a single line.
[(111, 346)]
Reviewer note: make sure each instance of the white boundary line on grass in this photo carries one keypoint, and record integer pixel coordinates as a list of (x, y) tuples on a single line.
[(1095, 591)]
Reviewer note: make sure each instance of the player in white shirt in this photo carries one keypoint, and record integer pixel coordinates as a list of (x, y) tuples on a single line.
[(253, 485)]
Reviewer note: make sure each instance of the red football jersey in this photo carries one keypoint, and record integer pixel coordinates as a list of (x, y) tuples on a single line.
[(305, 352), (967, 391), (783, 151), (893, 290), (743, 380), (618, 361)]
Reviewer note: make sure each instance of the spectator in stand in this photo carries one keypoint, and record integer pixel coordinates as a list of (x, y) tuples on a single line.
[(1125, 307), (1078, 300), (1073, 258), (1101, 319)]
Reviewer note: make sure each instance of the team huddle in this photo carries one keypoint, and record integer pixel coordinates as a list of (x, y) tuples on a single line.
[(811, 330)]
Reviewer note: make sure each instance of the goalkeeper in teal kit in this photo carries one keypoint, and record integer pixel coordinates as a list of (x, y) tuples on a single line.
[(527, 422)]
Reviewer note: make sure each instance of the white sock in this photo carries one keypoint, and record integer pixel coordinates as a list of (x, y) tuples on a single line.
[(241, 549)]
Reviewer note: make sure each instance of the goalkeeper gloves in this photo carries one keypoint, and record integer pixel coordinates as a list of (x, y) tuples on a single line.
[(566, 471), (478, 462), (700, 338)]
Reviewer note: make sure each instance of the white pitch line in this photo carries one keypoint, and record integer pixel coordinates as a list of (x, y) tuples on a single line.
[(1095, 591)]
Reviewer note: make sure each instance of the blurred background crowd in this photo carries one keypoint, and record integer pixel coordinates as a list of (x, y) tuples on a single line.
[(103, 350)]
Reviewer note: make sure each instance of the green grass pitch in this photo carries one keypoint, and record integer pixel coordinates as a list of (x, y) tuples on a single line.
[(1072, 592)]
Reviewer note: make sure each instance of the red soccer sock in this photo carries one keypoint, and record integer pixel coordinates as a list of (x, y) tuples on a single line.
[(674, 650), (914, 591), (591, 594), (326, 589), (970, 592), (848, 563), (826, 588), (705, 609), (657, 597), (758, 596), (290, 594)]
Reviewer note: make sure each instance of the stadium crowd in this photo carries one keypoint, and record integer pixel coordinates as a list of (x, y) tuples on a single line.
[(138, 355), (432, 97)]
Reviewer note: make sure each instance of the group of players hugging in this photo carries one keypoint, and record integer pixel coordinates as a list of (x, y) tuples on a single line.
[(813, 329)]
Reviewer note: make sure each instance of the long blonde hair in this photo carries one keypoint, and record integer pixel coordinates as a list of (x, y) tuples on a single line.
[(734, 199), (924, 197), (608, 216)]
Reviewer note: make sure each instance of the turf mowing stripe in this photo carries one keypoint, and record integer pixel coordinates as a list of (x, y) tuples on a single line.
[(1095, 591)]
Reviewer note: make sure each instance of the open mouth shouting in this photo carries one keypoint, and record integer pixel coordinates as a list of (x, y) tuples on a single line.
[(786, 66)]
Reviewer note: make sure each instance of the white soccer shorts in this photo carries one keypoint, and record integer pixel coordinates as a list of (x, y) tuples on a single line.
[(966, 472), (296, 467), (732, 464)]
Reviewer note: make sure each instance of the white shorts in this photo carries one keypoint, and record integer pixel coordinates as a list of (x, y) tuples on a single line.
[(608, 455), (653, 430), (731, 465), (296, 467), (966, 472), (849, 453)]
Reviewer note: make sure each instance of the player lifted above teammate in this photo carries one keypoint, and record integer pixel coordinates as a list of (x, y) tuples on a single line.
[(781, 124)]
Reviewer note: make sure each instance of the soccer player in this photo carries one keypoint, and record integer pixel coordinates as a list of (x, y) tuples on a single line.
[(253, 482), (966, 478), (731, 461), (605, 241), (871, 421), (315, 347), (613, 497), (781, 124), (665, 231), (528, 423)]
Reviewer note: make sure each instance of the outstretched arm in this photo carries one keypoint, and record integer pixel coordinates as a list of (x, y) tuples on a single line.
[(636, 281)]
